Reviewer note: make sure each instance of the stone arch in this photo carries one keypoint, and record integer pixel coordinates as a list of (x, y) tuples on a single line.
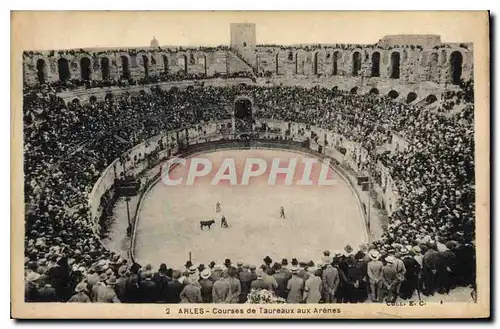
[(354, 90), (431, 99), (456, 60), (125, 60), (433, 66), (85, 70), (375, 64), (337, 57), (63, 69), (356, 63), (411, 97), (145, 65), (105, 68), (373, 91), (41, 70), (393, 94), (395, 65)]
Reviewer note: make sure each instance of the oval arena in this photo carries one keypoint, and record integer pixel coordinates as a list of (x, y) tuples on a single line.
[(394, 121)]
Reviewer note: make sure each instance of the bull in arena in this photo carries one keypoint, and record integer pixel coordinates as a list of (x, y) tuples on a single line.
[(206, 223)]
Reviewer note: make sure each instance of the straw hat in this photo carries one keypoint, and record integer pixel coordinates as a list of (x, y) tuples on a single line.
[(32, 276), (205, 274), (390, 259), (374, 254)]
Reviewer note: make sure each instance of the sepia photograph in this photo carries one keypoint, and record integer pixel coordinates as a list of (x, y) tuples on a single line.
[(236, 165)]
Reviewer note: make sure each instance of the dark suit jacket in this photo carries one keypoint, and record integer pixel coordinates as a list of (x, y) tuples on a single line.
[(148, 292), (174, 291), (47, 294)]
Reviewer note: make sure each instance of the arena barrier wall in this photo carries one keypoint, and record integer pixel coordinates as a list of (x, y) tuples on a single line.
[(291, 135)]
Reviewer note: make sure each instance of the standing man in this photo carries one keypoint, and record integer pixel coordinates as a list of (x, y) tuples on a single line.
[(295, 287), (217, 207), (282, 212)]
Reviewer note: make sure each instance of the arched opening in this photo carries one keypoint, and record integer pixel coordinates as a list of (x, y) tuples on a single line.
[(145, 64), (336, 58), (63, 69), (433, 66), (125, 68), (243, 117), (356, 63), (92, 99), (393, 94), (105, 68), (75, 102), (373, 91), (315, 67), (244, 44), (290, 56), (411, 97), (354, 90), (85, 68), (395, 61), (109, 97), (174, 89), (376, 64), (165, 63), (456, 67), (277, 63), (431, 99), (41, 70)]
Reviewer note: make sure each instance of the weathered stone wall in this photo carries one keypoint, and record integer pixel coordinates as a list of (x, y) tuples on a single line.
[(206, 63)]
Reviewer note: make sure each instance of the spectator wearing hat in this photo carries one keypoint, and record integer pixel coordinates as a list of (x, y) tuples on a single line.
[(221, 290), (302, 273), (107, 294), (174, 288), (268, 261), (331, 281), (246, 278), (313, 287), (121, 284), (259, 283), (98, 287), (295, 287), (192, 291), (431, 265), (80, 296), (374, 272), (227, 263), (448, 275), (269, 278), (284, 268), (161, 280), (206, 285), (410, 283), (31, 287), (47, 294), (353, 285), (147, 288), (281, 278), (390, 282), (234, 285)]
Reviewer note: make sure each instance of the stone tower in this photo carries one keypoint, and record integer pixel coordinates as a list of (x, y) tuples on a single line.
[(243, 36)]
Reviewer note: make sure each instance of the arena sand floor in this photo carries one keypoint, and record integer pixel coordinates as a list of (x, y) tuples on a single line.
[(317, 217)]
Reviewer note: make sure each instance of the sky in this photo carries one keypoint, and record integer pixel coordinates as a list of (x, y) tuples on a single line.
[(81, 29)]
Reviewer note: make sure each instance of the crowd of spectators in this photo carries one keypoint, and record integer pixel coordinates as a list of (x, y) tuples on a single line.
[(428, 246)]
